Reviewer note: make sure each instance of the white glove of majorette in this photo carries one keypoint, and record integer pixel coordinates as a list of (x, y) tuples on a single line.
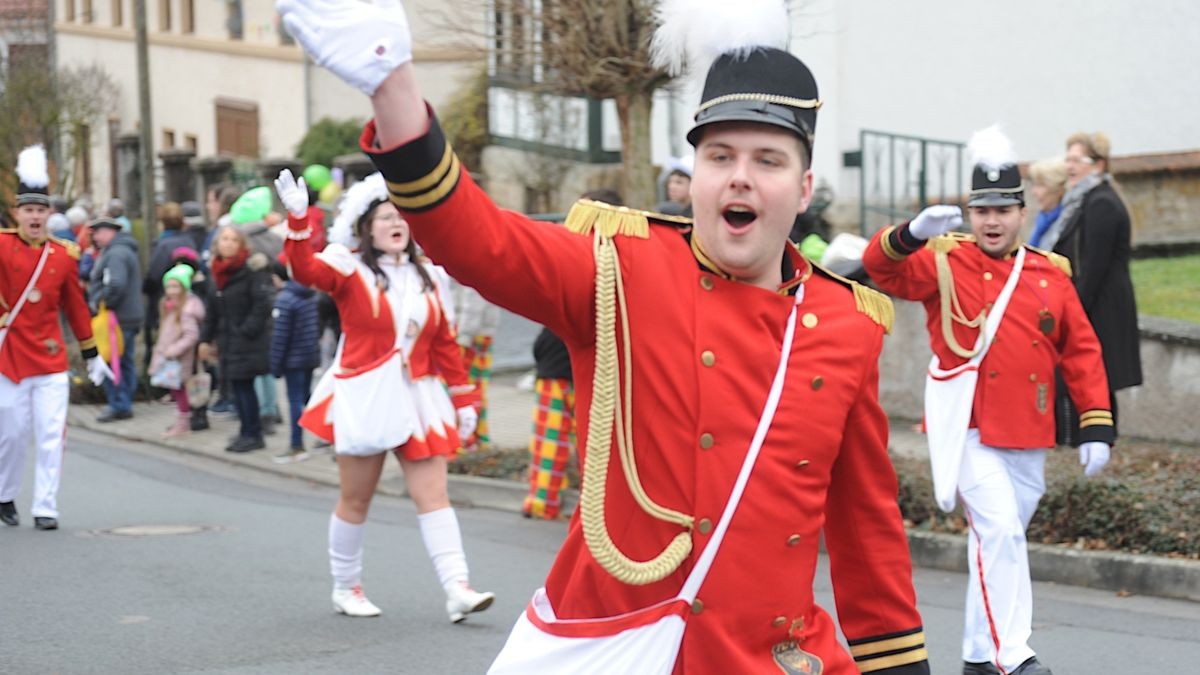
[(935, 220), (359, 42), (293, 193), (468, 419), (1093, 455), (98, 371)]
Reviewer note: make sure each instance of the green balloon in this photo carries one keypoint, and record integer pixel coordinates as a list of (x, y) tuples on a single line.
[(317, 176), (252, 206)]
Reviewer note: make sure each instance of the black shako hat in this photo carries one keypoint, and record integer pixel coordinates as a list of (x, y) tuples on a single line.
[(765, 85), (33, 180), (996, 187)]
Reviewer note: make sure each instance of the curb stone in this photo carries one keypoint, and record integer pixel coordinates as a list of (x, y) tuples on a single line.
[(1120, 572)]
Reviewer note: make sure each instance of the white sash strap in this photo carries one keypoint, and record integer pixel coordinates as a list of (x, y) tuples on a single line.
[(37, 272), (988, 334)]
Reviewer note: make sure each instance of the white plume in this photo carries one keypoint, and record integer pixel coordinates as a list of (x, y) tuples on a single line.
[(353, 204), (31, 167), (693, 33), (991, 149)]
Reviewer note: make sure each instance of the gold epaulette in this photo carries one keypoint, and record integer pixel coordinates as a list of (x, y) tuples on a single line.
[(587, 215), (1060, 261), (867, 300), (948, 242), (71, 247)]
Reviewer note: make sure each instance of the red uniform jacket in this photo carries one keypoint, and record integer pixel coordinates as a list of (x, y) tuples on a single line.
[(34, 345), (370, 335), (704, 352), (1014, 400)]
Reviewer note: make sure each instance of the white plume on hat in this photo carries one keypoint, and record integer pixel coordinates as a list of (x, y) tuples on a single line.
[(31, 167), (355, 202), (991, 149), (692, 34)]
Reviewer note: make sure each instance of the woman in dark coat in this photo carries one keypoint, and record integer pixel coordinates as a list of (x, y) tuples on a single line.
[(1094, 233), (238, 324)]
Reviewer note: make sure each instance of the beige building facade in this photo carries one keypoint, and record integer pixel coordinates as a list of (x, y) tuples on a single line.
[(226, 78)]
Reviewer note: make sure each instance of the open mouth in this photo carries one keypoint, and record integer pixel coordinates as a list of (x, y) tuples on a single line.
[(993, 237), (739, 217), (397, 237)]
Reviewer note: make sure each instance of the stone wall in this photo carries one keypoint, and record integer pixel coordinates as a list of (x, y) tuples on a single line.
[(1163, 408)]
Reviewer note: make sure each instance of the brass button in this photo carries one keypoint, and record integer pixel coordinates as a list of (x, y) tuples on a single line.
[(708, 358), (1033, 377), (706, 283), (1035, 343), (801, 464), (793, 540), (1043, 283), (704, 526), (809, 320), (797, 625), (779, 621), (987, 276), (817, 383), (697, 606), (706, 441), (992, 373)]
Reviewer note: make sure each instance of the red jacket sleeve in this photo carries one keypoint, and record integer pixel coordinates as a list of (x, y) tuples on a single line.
[(76, 310), (868, 547), (901, 265), (306, 268), (1082, 364), (536, 269)]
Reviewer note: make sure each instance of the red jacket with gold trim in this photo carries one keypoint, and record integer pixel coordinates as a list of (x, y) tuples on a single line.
[(34, 344), (1014, 399), (704, 351)]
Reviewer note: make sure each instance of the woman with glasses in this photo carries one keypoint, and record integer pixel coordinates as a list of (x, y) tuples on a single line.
[(397, 383), (1093, 231)]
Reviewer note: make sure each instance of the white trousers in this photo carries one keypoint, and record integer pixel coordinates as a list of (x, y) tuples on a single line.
[(1000, 490), (37, 403)]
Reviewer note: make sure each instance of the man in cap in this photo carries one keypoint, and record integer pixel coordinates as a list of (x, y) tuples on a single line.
[(707, 309), (116, 282), (1001, 315), (39, 277)]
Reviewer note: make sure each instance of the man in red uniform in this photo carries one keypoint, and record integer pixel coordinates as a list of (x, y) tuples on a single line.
[(39, 276), (704, 312), (1000, 317)]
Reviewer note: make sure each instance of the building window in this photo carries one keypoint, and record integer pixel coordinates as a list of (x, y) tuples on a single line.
[(233, 21), (86, 11), (168, 139), (187, 16), (118, 17), (237, 127), (190, 142), (164, 15), (69, 10)]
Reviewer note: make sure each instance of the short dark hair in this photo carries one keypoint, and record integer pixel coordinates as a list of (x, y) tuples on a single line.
[(606, 195)]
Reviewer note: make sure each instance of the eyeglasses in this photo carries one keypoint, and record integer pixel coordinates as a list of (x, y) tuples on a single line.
[(1079, 160)]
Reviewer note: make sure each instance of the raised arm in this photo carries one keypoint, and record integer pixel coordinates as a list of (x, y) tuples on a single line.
[(896, 257)]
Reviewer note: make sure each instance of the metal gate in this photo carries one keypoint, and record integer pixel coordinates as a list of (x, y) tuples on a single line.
[(899, 175)]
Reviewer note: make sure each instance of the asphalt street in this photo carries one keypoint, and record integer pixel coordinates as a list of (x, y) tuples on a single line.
[(126, 587)]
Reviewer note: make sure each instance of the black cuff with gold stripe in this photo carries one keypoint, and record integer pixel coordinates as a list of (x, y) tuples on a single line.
[(88, 348), (894, 654), (421, 173), (898, 243), (1097, 425)]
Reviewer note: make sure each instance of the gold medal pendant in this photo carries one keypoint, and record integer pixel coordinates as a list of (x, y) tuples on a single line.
[(35, 295), (1045, 322)]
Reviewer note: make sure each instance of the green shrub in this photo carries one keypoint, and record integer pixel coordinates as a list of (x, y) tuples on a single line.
[(329, 138)]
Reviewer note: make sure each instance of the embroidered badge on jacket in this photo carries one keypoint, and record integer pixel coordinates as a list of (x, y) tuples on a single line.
[(795, 661)]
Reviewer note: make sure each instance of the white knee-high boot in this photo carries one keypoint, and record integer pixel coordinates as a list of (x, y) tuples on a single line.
[(443, 542), (345, 564)]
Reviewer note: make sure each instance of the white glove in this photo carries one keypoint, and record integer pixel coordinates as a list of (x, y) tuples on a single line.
[(359, 42), (935, 220), (1093, 455), (293, 193), (468, 419), (98, 371)]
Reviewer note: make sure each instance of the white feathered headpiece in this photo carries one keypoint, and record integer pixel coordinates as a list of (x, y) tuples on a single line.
[(31, 167), (355, 202), (693, 33), (991, 149)]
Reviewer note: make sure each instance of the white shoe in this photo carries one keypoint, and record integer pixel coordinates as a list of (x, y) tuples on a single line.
[(464, 600), (352, 602)]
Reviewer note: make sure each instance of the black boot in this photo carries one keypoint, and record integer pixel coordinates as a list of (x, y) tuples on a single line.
[(199, 418), (8, 514)]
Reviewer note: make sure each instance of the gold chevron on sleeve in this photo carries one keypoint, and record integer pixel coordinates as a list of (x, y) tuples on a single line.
[(429, 189), (1093, 418), (885, 241)]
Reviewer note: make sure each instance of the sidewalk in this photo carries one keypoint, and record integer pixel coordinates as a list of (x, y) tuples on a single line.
[(510, 419)]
